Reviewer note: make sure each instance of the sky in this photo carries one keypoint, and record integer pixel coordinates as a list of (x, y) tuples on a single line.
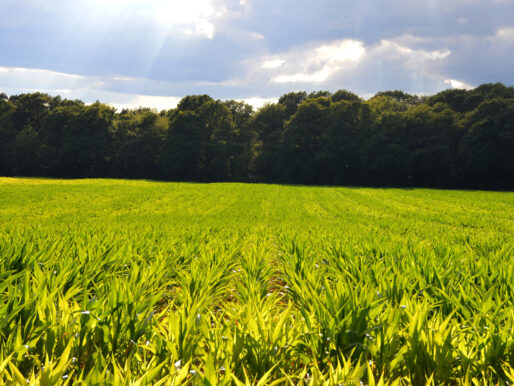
[(151, 53)]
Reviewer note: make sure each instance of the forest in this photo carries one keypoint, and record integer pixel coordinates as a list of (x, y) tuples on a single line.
[(453, 139)]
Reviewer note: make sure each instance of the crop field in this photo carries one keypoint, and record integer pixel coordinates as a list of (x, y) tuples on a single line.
[(138, 282)]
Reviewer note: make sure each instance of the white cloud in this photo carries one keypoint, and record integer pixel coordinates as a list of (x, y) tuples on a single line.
[(162, 11), (165, 103), (16, 80), (128, 101), (256, 35), (341, 51), (318, 76), (458, 84), (273, 63), (391, 49), (124, 78), (39, 72), (415, 64), (258, 102), (345, 60), (192, 17), (506, 34), (203, 28), (315, 64), (34, 78)]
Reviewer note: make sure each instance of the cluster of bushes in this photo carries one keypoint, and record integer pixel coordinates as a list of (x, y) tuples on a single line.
[(456, 138)]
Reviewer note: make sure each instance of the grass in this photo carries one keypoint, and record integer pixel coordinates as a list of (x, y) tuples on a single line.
[(137, 282)]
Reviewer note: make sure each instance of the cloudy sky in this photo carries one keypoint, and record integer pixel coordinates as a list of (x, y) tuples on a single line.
[(153, 52)]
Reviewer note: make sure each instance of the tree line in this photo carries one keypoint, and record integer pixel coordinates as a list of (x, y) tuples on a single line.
[(453, 139)]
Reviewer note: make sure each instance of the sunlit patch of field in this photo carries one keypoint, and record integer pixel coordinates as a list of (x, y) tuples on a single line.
[(110, 281)]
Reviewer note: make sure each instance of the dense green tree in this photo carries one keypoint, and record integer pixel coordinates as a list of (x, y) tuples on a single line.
[(457, 99), (182, 147), (198, 145), (52, 136), (400, 96), (302, 141), (383, 150), (292, 100), (339, 156), (139, 139), (87, 142), (319, 94), (193, 102), (345, 95), (383, 104), (268, 123), (455, 138), (242, 147), (217, 137), (487, 152), (429, 140), (32, 109), (494, 90), (24, 154), (7, 134)]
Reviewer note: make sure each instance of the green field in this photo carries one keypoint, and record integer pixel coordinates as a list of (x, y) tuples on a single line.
[(119, 282)]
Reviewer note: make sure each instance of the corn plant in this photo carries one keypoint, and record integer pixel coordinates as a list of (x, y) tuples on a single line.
[(236, 284)]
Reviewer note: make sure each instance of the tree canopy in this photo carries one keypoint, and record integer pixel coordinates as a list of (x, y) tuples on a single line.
[(455, 139)]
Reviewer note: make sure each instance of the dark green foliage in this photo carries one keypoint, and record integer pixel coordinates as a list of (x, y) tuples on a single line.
[(7, 133), (192, 102), (292, 100), (268, 123), (400, 96), (457, 99), (487, 154), (200, 141), (455, 138), (87, 142), (243, 144), (318, 94), (341, 161), (494, 90), (302, 141), (140, 135), (345, 95)]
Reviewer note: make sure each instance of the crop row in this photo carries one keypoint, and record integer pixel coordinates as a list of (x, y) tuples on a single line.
[(268, 306)]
